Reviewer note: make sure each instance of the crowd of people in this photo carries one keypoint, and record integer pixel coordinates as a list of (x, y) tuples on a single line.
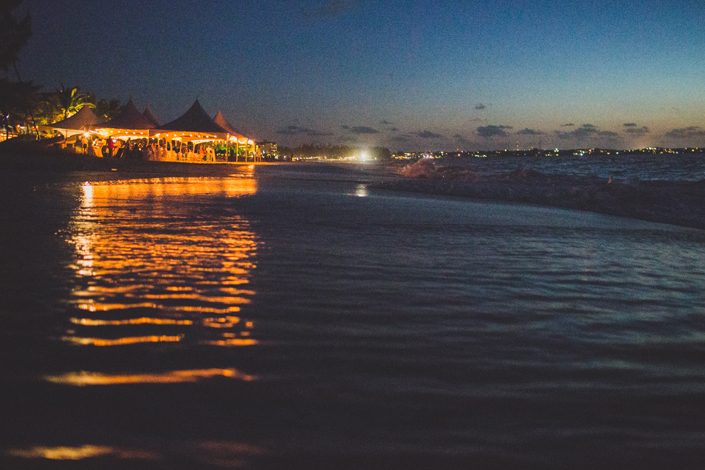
[(150, 149)]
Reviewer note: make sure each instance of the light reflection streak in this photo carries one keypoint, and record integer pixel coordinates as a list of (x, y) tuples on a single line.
[(82, 379), (232, 342), (122, 341), (130, 321), (151, 258), (80, 453)]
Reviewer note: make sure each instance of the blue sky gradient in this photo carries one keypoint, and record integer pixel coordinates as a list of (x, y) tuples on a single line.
[(416, 75)]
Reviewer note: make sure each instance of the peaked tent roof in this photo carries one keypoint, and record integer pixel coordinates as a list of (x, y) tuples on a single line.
[(83, 119), (194, 120), (128, 118), (222, 122), (150, 116)]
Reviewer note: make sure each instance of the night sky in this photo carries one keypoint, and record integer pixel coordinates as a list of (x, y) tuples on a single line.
[(407, 75)]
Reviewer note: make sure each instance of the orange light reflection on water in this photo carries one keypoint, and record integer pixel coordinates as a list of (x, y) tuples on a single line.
[(161, 259), (80, 453), (122, 341), (176, 376)]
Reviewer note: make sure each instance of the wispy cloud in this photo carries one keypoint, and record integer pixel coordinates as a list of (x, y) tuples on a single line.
[(637, 130), (568, 124), (492, 131), (427, 135), (528, 131), (480, 106), (686, 132), (363, 130), (296, 130), (587, 131)]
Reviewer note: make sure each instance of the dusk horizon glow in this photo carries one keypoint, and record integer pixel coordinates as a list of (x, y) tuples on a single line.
[(417, 75)]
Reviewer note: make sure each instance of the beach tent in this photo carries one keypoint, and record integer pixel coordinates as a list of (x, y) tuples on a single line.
[(129, 123), (222, 122), (150, 116), (194, 124), (236, 138), (194, 127), (79, 123)]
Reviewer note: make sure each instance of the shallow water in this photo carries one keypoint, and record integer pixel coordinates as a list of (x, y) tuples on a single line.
[(293, 317)]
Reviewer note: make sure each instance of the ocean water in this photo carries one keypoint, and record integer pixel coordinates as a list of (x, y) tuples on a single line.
[(296, 317), (667, 167)]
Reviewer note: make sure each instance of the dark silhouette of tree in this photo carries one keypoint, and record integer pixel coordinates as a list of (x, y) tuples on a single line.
[(105, 109), (14, 105), (14, 34)]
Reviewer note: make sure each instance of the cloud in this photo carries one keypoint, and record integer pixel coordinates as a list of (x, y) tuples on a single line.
[(586, 131), (568, 124), (427, 135), (528, 131), (296, 130), (607, 134), (629, 124), (363, 130), (686, 132), (480, 106), (637, 130), (399, 138), (394, 129), (384, 122), (492, 131), (582, 132), (345, 127)]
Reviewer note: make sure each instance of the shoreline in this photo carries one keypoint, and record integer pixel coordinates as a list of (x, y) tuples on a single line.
[(46, 163), (680, 203)]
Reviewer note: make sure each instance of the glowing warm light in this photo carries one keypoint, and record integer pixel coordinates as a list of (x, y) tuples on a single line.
[(82, 379), (233, 342), (222, 322), (130, 321), (63, 453), (80, 453), (156, 278), (122, 341), (109, 307)]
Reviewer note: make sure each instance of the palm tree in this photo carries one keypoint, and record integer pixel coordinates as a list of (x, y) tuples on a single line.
[(70, 100)]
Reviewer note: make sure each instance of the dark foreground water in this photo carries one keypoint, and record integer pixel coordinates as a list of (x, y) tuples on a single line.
[(292, 317)]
